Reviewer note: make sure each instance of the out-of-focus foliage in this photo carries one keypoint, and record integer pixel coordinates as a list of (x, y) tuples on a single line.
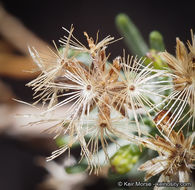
[(125, 158)]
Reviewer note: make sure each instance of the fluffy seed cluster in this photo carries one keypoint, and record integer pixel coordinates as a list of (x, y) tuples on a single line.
[(98, 97), (182, 72), (102, 101)]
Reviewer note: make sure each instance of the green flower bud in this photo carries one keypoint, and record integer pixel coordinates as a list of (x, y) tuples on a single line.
[(156, 59), (156, 41), (125, 158)]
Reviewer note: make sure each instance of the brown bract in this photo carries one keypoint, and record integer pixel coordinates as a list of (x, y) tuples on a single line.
[(176, 155), (182, 72)]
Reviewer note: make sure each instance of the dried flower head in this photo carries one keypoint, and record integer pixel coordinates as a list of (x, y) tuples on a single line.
[(183, 76), (137, 83), (176, 154), (115, 92), (52, 65)]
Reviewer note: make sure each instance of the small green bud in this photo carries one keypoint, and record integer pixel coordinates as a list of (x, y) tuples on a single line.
[(125, 158), (60, 141), (156, 41), (158, 63)]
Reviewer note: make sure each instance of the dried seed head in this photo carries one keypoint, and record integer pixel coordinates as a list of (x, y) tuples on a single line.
[(175, 158), (183, 76), (176, 154), (98, 87), (130, 95)]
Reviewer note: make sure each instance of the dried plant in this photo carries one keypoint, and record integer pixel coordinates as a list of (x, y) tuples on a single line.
[(176, 154), (182, 72), (115, 91), (103, 102)]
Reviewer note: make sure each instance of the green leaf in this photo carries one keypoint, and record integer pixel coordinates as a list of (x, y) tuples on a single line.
[(84, 58), (78, 168), (132, 36), (147, 121), (64, 140)]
